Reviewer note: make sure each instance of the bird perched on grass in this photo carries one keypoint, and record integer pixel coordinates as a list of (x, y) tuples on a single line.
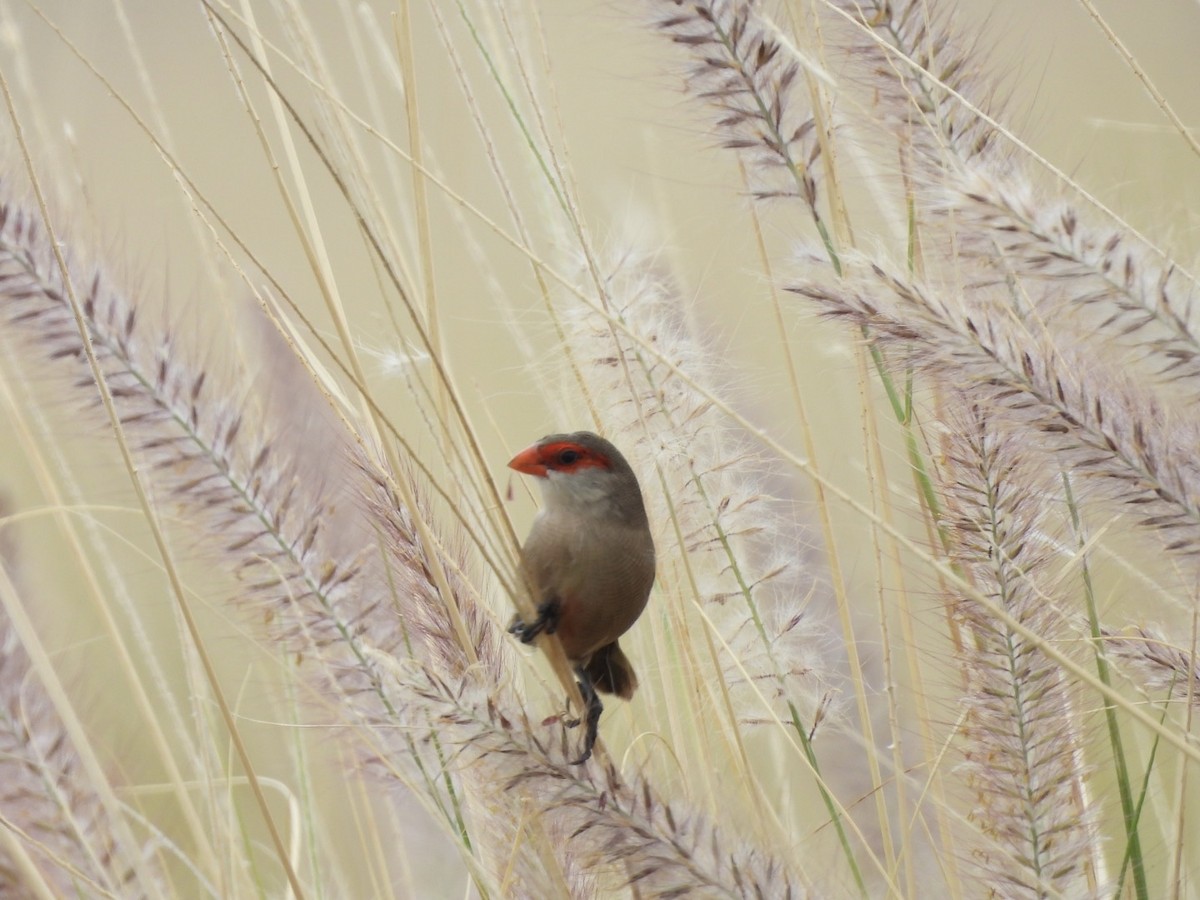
[(589, 560)]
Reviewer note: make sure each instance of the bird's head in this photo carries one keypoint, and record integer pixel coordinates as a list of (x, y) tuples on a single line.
[(582, 472)]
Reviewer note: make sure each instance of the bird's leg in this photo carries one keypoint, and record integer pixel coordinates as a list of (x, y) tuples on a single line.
[(593, 707), (545, 623)]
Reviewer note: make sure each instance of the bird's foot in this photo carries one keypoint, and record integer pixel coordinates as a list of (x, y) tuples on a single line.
[(564, 718), (592, 717), (545, 623)]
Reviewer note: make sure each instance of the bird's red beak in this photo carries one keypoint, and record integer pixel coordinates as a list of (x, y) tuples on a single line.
[(529, 462)]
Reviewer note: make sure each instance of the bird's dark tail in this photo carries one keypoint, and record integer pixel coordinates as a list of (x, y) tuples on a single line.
[(611, 672)]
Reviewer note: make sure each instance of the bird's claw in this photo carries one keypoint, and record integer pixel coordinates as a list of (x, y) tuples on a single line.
[(592, 708), (545, 623)]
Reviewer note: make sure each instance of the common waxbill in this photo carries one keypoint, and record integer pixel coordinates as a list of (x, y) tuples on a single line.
[(589, 560)]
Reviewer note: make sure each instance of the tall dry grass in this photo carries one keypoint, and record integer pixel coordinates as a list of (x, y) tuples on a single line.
[(925, 620)]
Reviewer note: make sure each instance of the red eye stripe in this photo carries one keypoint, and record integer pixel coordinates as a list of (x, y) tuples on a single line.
[(566, 456)]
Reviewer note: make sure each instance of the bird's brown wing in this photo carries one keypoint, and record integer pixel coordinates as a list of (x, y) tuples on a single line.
[(600, 577)]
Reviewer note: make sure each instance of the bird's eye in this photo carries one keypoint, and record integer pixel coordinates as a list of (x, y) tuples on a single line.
[(568, 457)]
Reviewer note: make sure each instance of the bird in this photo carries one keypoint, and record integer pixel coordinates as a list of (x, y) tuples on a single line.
[(589, 562)]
